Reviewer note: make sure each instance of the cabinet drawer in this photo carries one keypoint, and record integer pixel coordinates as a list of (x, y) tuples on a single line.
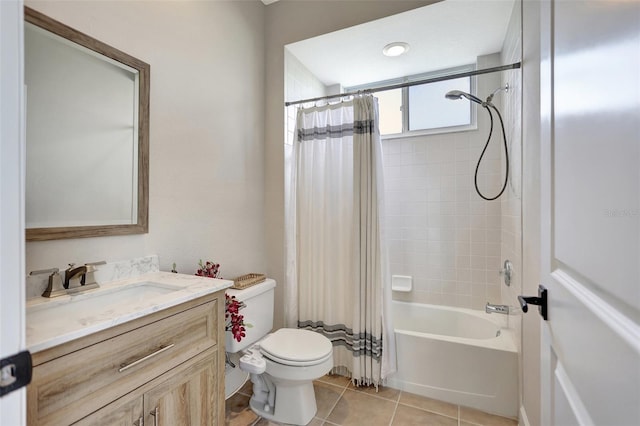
[(68, 388)]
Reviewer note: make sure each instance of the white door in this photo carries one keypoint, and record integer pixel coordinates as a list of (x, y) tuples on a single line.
[(12, 405), (590, 85)]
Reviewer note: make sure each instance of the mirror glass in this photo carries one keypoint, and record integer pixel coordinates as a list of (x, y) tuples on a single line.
[(87, 135)]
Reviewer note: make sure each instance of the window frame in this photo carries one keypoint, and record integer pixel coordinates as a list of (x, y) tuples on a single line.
[(405, 106)]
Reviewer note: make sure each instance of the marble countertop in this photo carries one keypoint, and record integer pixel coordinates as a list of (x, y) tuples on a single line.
[(51, 322)]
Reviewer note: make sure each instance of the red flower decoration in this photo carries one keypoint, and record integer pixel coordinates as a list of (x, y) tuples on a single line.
[(209, 269), (234, 322)]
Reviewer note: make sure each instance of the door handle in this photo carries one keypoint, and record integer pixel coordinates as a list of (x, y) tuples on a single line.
[(541, 301), (15, 372)]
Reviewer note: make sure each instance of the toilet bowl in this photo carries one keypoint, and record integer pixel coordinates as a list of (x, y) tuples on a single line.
[(282, 364), (283, 367)]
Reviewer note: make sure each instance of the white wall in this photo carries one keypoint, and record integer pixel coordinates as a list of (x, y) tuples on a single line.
[(206, 131), (531, 322), (511, 201), (12, 319), (300, 83), (288, 22)]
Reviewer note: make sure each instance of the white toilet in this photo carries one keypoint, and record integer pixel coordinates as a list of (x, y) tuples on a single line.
[(282, 364)]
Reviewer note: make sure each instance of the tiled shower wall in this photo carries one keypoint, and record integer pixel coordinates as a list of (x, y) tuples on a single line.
[(452, 242), (511, 202), (440, 231)]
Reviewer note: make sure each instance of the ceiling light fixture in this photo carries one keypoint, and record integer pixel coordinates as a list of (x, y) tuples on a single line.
[(395, 49)]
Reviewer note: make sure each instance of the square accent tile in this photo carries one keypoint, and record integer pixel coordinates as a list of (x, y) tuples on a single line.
[(382, 391), (237, 411), (334, 379), (406, 415), (358, 408), (326, 398)]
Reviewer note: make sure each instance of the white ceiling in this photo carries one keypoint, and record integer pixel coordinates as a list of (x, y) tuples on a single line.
[(441, 35)]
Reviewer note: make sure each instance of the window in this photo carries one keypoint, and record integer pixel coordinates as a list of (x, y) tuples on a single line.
[(423, 109), (429, 109), (390, 105)]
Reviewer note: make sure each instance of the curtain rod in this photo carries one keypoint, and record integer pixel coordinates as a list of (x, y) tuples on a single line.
[(411, 83)]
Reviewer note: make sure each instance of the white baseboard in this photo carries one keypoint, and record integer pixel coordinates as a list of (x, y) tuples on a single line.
[(523, 419)]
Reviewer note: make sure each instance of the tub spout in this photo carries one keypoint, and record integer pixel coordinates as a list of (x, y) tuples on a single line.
[(498, 309)]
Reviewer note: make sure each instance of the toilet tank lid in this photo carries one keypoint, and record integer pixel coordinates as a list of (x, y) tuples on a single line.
[(252, 291), (296, 345)]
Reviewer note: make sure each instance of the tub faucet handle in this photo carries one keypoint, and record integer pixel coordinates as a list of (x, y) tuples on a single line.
[(507, 272)]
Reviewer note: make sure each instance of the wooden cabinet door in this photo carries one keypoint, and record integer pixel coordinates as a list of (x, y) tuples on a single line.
[(189, 398), (119, 413)]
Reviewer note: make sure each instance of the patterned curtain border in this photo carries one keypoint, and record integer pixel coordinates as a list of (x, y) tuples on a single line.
[(336, 132), (360, 344)]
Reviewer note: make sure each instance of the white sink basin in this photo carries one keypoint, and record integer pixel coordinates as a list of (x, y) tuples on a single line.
[(99, 302)]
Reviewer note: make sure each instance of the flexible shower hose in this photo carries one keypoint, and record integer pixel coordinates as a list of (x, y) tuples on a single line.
[(486, 105)]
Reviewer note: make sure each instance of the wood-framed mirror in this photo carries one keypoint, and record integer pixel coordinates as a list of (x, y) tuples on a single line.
[(87, 135)]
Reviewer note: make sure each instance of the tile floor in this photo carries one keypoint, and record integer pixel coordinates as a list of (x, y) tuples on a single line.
[(340, 403)]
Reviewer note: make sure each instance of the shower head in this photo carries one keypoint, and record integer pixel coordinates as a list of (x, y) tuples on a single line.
[(458, 94)]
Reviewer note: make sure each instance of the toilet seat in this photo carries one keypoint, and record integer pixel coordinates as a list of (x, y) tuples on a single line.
[(296, 363), (295, 347)]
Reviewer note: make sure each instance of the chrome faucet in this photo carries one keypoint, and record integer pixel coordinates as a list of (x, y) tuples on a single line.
[(498, 309)]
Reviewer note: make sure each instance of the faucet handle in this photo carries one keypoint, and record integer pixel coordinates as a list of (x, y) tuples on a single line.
[(88, 278), (51, 271), (54, 285), (507, 272), (91, 266)]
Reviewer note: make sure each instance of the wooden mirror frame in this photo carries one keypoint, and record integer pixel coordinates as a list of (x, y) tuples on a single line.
[(142, 225)]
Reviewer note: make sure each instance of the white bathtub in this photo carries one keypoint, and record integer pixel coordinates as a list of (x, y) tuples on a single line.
[(461, 356)]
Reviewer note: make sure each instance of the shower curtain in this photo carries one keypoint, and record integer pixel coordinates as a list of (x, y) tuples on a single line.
[(337, 281)]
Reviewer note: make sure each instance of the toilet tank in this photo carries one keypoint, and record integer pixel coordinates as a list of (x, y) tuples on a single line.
[(258, 312)]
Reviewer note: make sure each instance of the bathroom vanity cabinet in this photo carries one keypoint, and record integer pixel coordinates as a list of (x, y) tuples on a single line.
[(165, 368)]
